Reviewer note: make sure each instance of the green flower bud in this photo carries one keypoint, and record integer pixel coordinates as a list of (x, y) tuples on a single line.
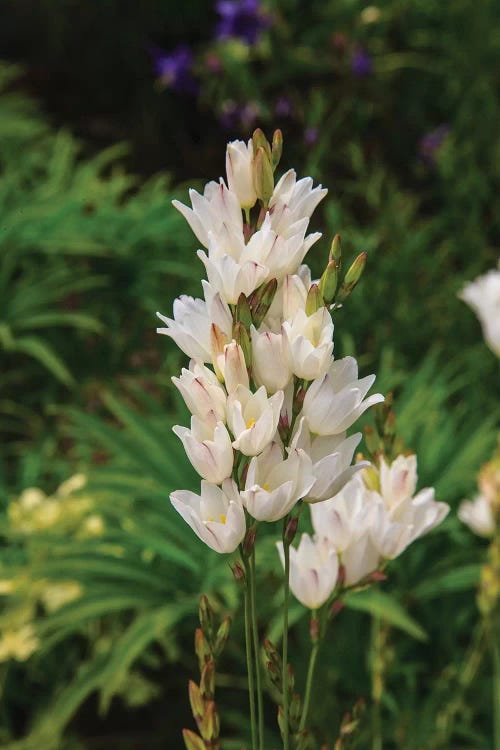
[(277, 148), (314, 300), (262, 300), (210, 725), (243, 312), (352, 277), (196, 701), (202, 648), (328, 282), (263, 175), (222, 635), (206, 615), (192, 740), (259, 140), (336, 250), (207, 682), (242, 338)]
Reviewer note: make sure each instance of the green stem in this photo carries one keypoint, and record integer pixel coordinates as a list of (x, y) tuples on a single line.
[(309, 683), (495, 645), (258, 670), (377, 743), (248, 643), (286, 708)]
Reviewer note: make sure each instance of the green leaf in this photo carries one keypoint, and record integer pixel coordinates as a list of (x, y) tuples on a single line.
[(380, 604), (38, 349), (460, 579)]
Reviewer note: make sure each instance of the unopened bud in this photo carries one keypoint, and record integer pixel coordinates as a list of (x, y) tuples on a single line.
[(314, 629), (238, 573), (196, 701), (290, 530), (206, 616), (259, 140), (314, 300), (295, 709), (222, 635), (352, 277), (263, 179), (249, 541), (336, 250), (390, 424), (341, 575), (192, 740), (298, 401), (202, 648), (376, 577), (241, 336), (218, 340), (263, 300), (371, 439), (210, 725), (328, 282), (274, 674), (277, 149), (291, 678), (207, 682), (281, 720), (243, 313)]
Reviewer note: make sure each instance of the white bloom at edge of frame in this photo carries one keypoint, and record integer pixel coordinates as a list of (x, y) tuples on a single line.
[(190, 326), (478, 515), (253, 418), (231, 278), (310, 345), (273, 485), (270, 366), (345, 520), (331, 456), (239, 170), (201, 391), (483, 296), (314, 569), (217, 207), (293, 200), (334, 402), (216, 515), (208, 447)]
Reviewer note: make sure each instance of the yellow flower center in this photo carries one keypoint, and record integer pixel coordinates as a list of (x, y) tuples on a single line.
[(266, 486), (250, 423), (222, 518)]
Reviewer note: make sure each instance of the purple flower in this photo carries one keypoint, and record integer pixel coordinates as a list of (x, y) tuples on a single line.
[(241, 19), (283, 107), (311, 136), (361, 63), (235, 115), (431, 142), (174, 69)]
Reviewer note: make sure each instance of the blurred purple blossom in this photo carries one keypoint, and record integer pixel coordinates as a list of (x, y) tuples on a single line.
[(235, 116), (361, 63), (174, 69), (241, 19), (311, 136), (283, 107), (431, 142)]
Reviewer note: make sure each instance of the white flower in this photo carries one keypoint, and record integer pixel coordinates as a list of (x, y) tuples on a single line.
[(216, 515), (273, 485), (208, 447), (190, 327), (231, 278), (253, 418), (478, 515), (331, 456), (293, 200), (334, 402), (294, 295), (346, 520), (202, 391), (310, 344), (398, 480), (270, 365), (232, 366), (483, 296), (217, 207), (239, 169), (314, 570)]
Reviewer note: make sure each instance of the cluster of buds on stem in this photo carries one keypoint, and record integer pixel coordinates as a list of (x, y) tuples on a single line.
[(350, 723), (209, 641)]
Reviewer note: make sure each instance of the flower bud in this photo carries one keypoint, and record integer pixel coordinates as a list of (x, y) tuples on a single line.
[(262, 300), (222, 635), (243, 312), (196, 701), (207, 682), (210, 725), (259, 140), (314, 300), (249, 541), (241, 336), (314, 629), (336, 250), (202, 648), (218, 341), (290, 530), (328, 282), (263, 179), (337, 606), (277, 148), (352, 277), (295, 709), (192, 740), (376, 577), (206, 615), (371, 439), (238, 573)]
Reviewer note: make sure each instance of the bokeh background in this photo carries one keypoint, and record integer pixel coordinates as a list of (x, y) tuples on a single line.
[(108, 110)]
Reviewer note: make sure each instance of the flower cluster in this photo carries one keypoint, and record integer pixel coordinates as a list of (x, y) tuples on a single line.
[(371, 520), (270, 405), (482, 515)]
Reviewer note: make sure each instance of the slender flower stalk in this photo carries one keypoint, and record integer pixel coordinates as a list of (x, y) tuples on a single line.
[(248, 647), (310, 677), (286, 597), (258, 669)]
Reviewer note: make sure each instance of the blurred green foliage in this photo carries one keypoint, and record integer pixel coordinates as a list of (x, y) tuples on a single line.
[(99, 581)]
